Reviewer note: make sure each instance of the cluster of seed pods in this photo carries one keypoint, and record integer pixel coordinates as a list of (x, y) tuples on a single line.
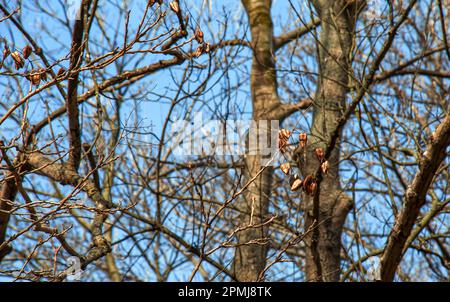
[(309, 183)]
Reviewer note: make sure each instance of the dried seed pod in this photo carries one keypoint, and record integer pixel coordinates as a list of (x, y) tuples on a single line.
[(207, 47), (198, 52), (325, 167), (312, 188), (293, 178), (174, 6), (286, 168), (61, 72), (18, 61), (307, 183), (198, 35), (26, 51), (320, 154), (6, 52), (282, 146), (152, 2), (296, 184), (303, 139), (43, 73), (34, 77), (284, 134)]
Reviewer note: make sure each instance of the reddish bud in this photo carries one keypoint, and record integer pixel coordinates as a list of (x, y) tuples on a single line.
[(34, 77), (198, 52), (26, 51), (199, 35), (284, 134), (303, 138), (312, 188), (320, 154), (286, 168), (207, 48), (307, 183), (6, 52), (282, 145), (296, 184), (18, 61), (174, 6), (61, 72), (43, 73), (325, 167)]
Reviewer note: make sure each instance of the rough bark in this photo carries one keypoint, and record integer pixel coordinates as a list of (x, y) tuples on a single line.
[(8, 193), (7, 196), (251, 253), (250, 259), (326, 212), (72, 87), (414, 199), (62, 173)]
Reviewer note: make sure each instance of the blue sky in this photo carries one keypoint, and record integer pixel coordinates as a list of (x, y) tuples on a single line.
[(164, 83)]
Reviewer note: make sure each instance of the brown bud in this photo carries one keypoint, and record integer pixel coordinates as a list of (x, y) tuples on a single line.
[(61, 71), (198, 52), (282, 145), (284, 134), (320, 154), (18, 61), (6, 52), (207, 48), (26, 51), (43, 73), (35, 77), (325, 167), (312, 188), (286, 168), (307, 183), (174, 6), (296, 184), (303, 138), (198, 35)]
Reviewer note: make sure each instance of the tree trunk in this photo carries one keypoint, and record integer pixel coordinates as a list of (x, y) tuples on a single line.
[(250, 257), (325, 213), (8, 194)]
